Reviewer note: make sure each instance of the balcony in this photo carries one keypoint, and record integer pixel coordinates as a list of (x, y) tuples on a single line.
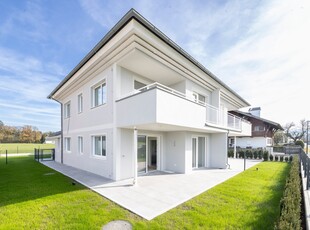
[(159, 104)]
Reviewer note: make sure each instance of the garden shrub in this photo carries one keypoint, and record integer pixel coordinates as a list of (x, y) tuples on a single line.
[(271, 157), (255, 154), (290, 205), (286, 159), (249, 154), (265, 155), (230, 153), (300, 143), (241, 154), (291, 158), (260, 154), (276, 158)]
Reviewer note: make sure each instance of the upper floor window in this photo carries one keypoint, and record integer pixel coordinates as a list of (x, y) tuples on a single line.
[(259, 128), (99, 94), (67, 109), (80, 103), (68, 144), (199, 98)]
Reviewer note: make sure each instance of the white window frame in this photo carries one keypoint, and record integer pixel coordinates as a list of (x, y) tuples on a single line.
[(269, 141), (80, 103), (259, 128), (68, 144), (196, 98), (101, 85), (67, 109), (80, 144), (93, 139)]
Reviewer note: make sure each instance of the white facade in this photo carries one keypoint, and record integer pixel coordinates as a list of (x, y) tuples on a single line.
[(180, 115), (254, 142)]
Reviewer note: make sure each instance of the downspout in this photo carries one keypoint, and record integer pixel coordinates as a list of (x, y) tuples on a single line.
[(227, 149), (61, 131)]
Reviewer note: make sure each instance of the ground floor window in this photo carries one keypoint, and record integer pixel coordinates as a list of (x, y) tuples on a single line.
[(99, 145), (269, 141), (68, 144)]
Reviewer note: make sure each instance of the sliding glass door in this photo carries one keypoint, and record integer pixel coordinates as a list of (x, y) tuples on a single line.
[(198, 152), (141, 154)]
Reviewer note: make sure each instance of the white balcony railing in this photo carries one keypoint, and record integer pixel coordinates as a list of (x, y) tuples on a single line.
[(214, 115), (234, 122), (220, 117)]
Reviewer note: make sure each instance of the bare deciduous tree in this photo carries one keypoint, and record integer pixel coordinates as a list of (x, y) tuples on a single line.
[(295, 133)]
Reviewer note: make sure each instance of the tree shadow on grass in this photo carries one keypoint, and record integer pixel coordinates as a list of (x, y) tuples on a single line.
[(24, 179)]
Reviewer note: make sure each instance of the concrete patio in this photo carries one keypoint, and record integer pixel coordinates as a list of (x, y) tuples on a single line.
[(155, 193)]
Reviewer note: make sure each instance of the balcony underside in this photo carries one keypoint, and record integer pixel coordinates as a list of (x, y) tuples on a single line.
[(158, 110)]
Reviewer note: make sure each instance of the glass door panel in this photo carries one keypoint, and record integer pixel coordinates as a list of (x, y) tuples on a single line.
[(194, 152), (201, 151), (141, 154)]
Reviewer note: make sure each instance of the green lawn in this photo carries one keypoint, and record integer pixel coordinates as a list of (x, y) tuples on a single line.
[(23, 148), (33, 196)]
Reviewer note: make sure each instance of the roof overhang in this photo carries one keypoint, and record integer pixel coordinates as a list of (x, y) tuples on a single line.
[(133, 14)]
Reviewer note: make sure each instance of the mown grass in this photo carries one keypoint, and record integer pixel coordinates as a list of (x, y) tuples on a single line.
[(23, 147), (249, 200), (33, 196)]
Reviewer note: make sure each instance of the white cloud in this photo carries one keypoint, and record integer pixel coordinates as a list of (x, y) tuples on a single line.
[(259, 48), (25, 84), (28, 22), (269, 66), (102, 12)]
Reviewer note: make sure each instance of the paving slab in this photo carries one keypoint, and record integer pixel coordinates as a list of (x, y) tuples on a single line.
[(155, 194)]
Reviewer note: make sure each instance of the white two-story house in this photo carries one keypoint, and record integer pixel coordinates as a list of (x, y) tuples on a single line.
[(138, 102)]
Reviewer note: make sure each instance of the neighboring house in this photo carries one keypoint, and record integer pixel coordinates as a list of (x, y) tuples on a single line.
[(53, 138), (138, 102), (262, 131)]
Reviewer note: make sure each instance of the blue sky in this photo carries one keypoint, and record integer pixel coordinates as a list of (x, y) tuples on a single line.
[(259, 48)]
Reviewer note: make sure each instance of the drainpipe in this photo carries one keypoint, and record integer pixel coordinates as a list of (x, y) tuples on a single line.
[(135, 155), (61, 131)]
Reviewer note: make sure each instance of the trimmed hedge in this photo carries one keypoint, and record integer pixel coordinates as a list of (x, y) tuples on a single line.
[(290, 205), (257, 154)]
